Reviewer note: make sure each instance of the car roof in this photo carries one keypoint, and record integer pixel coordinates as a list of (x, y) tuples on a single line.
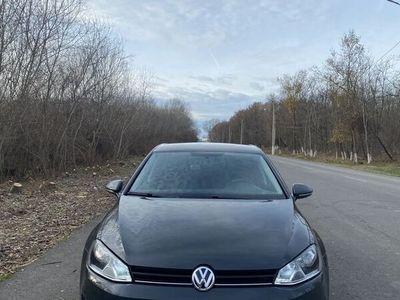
[(207, 147)]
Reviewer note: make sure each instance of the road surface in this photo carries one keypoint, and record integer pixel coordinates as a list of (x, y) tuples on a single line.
[(357, 214)]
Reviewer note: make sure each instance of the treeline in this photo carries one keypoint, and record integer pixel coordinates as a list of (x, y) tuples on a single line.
[(348, 107), (68, 95)]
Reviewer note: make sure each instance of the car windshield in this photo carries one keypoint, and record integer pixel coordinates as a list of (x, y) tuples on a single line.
[(207, 175)]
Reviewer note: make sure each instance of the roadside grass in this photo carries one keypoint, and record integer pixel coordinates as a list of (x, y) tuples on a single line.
[(379, 167), (4, 276)]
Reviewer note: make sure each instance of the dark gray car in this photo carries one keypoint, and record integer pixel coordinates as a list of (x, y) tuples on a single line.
[(205, 221)]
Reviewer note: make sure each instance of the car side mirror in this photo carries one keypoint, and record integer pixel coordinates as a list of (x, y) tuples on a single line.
[(114, 186), (300, 191)]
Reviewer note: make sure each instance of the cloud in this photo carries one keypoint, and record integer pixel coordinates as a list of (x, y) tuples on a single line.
[(211, 104), (207, 24), (206, 104), (221, 55), (181, 23), (226, 79), (257, 86)]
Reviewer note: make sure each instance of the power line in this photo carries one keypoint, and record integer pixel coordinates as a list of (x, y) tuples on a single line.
[(394, 2), (387, 52), (398, 43), (391, 49)]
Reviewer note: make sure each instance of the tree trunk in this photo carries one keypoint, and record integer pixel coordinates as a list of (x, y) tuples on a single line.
[(365, 125), (384, 147)]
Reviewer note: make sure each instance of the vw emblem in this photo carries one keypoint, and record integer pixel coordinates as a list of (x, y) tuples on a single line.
[(203, 279)]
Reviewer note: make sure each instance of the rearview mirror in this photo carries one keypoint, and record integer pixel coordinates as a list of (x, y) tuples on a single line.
[(114, 186), (300, 191)]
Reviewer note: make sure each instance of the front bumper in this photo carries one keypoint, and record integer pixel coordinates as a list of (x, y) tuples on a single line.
[(96, 287)]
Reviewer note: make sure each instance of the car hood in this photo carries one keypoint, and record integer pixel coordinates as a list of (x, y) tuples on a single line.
[(224, 234)]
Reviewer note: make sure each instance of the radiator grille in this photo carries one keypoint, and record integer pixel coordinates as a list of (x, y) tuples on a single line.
[(184, 277)]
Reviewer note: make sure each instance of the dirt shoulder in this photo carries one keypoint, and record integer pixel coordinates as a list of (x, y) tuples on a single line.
[(42, 214)]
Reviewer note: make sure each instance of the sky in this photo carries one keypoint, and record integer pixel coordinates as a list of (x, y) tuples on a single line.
[(220, 56)]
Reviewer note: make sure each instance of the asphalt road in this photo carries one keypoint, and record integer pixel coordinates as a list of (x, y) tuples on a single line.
[(357, 215)]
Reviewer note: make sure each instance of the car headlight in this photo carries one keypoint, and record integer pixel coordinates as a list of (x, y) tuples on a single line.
[(103, 262), (302, 268)]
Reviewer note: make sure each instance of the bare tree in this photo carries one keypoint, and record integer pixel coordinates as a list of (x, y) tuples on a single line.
[(69, 95), (348, 107)]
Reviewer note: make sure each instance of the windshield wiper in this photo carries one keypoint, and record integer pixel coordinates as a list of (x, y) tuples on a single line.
[(202, 196), (150, 195), (225, 197)]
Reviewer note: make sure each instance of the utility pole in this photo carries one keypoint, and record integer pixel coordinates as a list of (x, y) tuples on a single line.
[(273, 129), (241, 131), (229, 134)]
